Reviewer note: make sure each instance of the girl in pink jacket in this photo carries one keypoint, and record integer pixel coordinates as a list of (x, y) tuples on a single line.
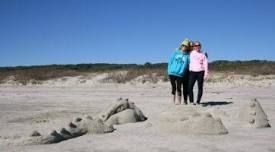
[(198, 68)]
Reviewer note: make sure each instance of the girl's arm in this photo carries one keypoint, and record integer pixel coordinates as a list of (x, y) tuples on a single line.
[(205, 66)]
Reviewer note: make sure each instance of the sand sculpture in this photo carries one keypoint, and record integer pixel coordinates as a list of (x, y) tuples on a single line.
[(188, 121), (74, 129), (253, 115), (119, 112)]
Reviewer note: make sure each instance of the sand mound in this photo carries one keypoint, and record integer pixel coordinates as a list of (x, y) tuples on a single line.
[(120, 112), (253, 115), (189, 121)]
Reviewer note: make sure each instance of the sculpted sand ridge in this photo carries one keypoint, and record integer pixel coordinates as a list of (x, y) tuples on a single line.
[(74, 129)]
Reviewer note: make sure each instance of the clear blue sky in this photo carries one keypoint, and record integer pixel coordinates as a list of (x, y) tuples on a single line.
[(35, 32)]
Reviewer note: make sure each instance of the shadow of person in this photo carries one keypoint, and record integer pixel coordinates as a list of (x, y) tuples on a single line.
[(215, 103)]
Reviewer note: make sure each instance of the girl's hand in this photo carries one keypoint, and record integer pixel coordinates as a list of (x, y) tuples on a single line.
[(205, 77)]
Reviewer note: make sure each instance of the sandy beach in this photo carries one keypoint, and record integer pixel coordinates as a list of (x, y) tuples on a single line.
[(50, 106)]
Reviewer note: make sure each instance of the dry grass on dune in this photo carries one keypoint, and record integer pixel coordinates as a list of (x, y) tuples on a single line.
[(150, 72), (253, 67), (24, 76), (150, 75)]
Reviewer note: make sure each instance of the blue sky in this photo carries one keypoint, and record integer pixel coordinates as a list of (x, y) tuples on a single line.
[(35, 32)]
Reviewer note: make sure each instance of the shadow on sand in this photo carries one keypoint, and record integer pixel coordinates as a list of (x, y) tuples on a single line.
[(215, 103)]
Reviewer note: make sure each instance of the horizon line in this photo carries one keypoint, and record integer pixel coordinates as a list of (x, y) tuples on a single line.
[(41, 65)]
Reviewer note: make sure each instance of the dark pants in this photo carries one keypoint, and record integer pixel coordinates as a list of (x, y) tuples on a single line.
[(176, 84), (193, 77), (185, 82)]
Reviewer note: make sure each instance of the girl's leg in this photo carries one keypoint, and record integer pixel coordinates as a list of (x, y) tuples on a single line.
[(173, 84), (173, 99), (200, 86), (192, 80), (185, 86), (179, 84)]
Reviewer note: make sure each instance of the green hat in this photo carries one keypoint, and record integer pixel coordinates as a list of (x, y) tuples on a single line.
[(186, 42)]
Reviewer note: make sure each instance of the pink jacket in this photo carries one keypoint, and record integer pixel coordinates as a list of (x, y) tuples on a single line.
[(198, 62)]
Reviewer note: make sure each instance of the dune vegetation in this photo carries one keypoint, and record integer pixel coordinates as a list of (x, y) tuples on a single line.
[(23, 74)]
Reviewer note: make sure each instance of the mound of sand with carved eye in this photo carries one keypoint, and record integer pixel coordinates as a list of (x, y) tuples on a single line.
[(119, 112), (253, 115), (188, 120)]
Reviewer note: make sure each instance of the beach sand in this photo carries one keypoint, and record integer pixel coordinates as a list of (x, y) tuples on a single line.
[(44, 108)]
